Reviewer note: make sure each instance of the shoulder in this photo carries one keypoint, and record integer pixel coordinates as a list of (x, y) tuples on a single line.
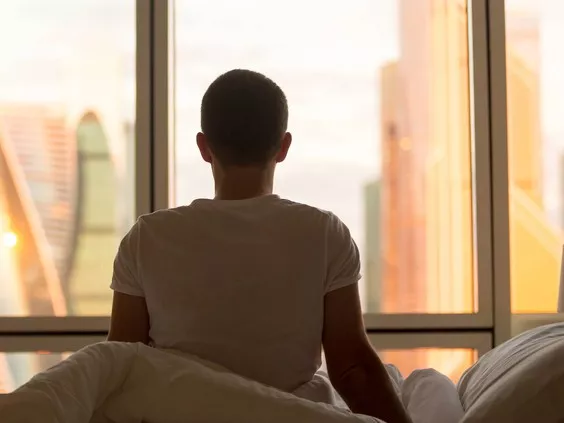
[(328, 220), (154, 225), (161, 217), (306, 210)]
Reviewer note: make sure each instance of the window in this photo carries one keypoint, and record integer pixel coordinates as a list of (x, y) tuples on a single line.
[(67, 110), (16, 368), (23, 357), (535, 143), (452, 362), (393, 111), (451, 354), (380, 114)]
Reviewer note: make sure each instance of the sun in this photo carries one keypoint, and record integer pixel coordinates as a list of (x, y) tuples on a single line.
[(9, 239)]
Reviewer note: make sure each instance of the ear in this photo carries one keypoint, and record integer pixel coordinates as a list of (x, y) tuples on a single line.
[(283, 152), (202, 142)]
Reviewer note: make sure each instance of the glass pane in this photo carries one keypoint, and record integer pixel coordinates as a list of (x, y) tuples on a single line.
[(17, 368), (379, 111), (535, 129), (67, 109), (452, 362)]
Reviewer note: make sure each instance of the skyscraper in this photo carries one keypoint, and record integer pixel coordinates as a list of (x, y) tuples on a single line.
[(97, 216), (426, 180), (38, 199), (38, 174)]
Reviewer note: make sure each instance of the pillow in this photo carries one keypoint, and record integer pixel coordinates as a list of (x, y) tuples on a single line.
[(520, 381)]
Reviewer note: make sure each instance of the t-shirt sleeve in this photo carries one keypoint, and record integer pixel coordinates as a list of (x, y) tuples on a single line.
[(125, 277), (343, 258)]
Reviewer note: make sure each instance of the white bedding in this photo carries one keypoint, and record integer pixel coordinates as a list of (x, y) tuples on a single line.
[(521, 381), (132, 383)]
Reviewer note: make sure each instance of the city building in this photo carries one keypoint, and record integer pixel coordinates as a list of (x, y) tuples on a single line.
[(98, 225), (38, 165)]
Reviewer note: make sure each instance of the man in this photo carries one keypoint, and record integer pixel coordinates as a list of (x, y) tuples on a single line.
[(250, 281)]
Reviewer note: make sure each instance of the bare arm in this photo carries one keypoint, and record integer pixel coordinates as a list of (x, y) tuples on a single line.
[(354, 368), (130, 319)]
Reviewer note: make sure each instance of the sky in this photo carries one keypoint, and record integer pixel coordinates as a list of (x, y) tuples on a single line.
[(326, 56)]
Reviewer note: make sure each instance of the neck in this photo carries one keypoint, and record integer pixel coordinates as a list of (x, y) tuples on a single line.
[(243, 183)]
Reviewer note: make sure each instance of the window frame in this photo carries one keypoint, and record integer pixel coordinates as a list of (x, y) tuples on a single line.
[(47, 343), (384, 341), (479, 342), (499, 172)]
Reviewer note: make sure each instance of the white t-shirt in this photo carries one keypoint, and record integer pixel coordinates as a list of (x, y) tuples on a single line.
[(239, 282)]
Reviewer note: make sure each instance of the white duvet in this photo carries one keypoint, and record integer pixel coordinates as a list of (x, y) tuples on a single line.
[(132, 383)]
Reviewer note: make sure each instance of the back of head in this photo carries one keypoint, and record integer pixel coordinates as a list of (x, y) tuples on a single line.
[(244, 116)]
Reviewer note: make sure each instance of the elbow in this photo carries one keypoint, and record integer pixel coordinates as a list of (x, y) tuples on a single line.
[(351, 384), (352, 367), (350, 376)]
